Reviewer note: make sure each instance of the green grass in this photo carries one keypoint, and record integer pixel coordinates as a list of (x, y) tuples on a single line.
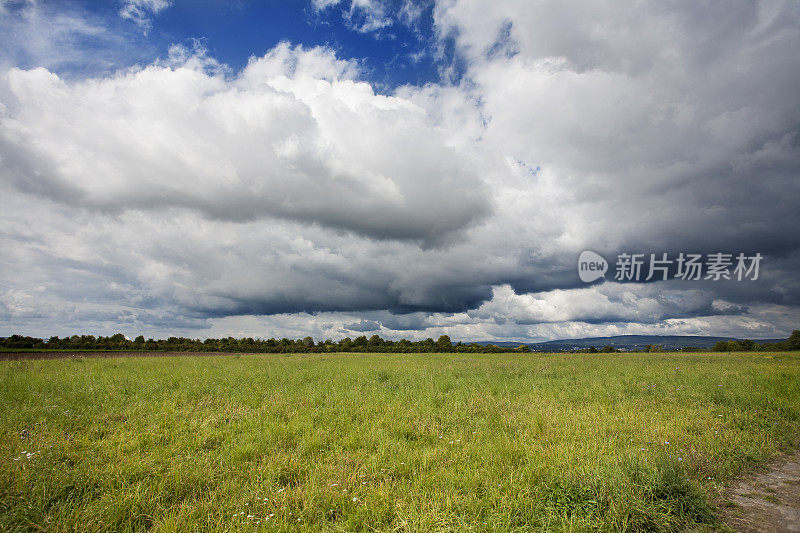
[(422, 442), (4, 349)]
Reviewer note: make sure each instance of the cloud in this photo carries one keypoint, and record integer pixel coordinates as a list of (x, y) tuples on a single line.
[(61, 37), (363, 326), (375, 16), (141, 11), (320, 5), (293, 136), (367, 16), (645, 122), (67, 38), (609, 302), (363, 16), (289, 198)]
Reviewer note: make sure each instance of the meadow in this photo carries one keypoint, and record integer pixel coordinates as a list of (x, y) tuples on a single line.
[(387, 442)]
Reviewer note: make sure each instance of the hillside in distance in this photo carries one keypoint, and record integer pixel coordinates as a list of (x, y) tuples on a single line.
[(626, 342)]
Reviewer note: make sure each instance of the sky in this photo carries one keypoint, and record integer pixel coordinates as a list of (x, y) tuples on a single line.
[(410, 169)]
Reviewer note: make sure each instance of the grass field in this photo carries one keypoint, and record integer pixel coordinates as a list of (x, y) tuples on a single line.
[(395, 442)]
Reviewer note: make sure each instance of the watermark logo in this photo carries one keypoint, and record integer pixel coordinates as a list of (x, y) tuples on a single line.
[(690, 267), (591, 266)]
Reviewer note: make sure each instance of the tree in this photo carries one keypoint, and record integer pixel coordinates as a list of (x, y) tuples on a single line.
[(345, 345), (375, 342), (794, 340), (444, 343)]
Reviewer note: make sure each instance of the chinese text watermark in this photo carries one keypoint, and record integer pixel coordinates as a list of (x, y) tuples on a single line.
[(692, 267)]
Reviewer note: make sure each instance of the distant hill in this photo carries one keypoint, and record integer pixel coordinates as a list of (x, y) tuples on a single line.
[(626, 342)]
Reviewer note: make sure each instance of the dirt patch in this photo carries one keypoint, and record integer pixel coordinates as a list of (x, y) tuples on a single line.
[(768, 500), (17, 356)]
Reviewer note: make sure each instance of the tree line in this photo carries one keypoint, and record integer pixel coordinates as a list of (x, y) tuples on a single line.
[(790, 344), (375, 343)]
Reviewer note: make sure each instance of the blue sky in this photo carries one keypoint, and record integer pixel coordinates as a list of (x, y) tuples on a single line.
[(234, 31), (403, 51), (408, 169)]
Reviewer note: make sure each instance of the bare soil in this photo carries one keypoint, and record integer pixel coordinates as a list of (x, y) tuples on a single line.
[(767, 500)]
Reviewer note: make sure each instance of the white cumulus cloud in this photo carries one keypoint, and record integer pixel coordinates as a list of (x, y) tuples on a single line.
[(292, 136)]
